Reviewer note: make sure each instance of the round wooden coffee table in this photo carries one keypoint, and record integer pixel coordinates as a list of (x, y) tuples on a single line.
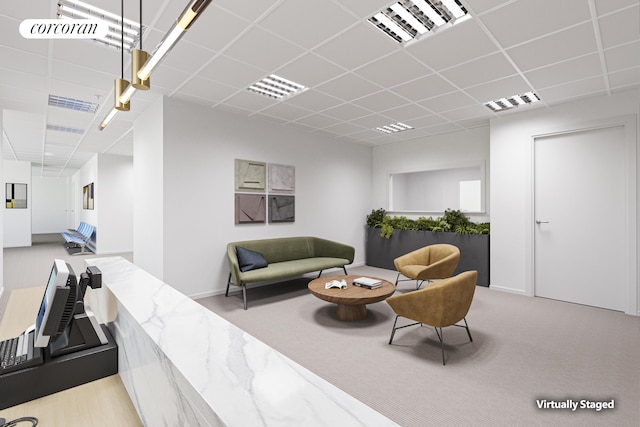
[(352, 302)]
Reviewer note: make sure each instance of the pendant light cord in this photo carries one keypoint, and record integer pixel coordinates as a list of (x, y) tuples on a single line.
[(140, 30), (122, 39)]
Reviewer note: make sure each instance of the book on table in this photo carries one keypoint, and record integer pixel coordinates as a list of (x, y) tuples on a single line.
[(367, 282)]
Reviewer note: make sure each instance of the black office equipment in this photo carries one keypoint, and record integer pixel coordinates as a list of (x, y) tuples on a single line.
[(66, 347)]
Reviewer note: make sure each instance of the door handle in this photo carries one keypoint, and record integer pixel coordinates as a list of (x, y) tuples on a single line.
[(541, 222)]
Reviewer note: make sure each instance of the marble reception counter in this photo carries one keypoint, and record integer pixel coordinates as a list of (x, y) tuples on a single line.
[(184, 365)]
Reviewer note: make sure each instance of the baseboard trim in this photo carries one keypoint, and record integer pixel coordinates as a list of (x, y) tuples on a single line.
[(508, 290)]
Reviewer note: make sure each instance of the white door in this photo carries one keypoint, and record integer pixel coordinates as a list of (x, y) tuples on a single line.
[(580, 210)]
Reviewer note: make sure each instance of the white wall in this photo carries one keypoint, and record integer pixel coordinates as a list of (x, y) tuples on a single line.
[(86, 175), (332, 189), (511, 177), (17, 222), (115, 211), (112, 215), (49, 211), (148, 205), (456, 149)]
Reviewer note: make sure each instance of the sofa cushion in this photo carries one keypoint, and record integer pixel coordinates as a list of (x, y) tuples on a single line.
[(250, 260)]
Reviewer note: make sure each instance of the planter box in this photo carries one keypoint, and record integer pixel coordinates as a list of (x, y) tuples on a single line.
[(474, 249)]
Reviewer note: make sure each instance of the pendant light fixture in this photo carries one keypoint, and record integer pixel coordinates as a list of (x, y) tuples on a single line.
[(184, 22), (122, 85), (138, 58), (142, 64)]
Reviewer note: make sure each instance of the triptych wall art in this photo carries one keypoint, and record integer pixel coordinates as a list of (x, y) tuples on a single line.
[(264, 188)]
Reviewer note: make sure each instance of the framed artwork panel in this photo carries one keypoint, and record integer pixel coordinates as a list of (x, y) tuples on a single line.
[(87, 197), (282, 178), (15, 196), (250, 175), (282, 208), (250, 208)]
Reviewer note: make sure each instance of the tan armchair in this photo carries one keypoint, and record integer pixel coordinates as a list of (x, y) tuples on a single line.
[(429, 263), (442, 304)]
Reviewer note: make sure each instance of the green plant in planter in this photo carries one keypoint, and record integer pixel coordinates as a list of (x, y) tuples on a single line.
[(453, 220), (431, 224), (386, 230), (375, 218), (456, 220), (483, 228), (403, 223)]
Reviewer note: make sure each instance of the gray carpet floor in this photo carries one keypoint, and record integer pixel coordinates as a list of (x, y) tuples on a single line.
[(524, 350)]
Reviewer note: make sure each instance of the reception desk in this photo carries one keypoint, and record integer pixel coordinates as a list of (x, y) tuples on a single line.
[(181, 364), (103, 402)]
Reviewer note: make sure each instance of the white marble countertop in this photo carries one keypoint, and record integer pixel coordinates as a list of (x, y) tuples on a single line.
[(243, 381)]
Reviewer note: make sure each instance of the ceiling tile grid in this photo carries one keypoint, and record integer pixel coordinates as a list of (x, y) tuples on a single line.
[(357, 78)]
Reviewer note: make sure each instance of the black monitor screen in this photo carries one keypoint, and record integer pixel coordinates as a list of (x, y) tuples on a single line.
[(57, 304)]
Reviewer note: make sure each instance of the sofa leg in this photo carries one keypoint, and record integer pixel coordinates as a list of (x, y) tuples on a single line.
[(244, 295), (344, 269), (226, 293), (320, 273)]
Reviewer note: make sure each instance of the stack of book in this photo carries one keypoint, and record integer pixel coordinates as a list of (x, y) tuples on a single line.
[(367, 282)]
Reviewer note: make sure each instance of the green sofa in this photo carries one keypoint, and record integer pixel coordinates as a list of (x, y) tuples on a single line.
[(286, 257)]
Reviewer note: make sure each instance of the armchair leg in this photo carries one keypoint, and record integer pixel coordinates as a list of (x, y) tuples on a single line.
[(466, 326), (393, 330), (441, 338), (397, 278)]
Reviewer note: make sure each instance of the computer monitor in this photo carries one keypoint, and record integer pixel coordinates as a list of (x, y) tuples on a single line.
[(58, 304)]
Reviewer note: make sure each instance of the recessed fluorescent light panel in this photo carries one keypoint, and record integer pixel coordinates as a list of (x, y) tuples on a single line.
[(410, 19), (74, 9), (65, 129), (393, 128), (276, 87), (513, 101), (73, 104)]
